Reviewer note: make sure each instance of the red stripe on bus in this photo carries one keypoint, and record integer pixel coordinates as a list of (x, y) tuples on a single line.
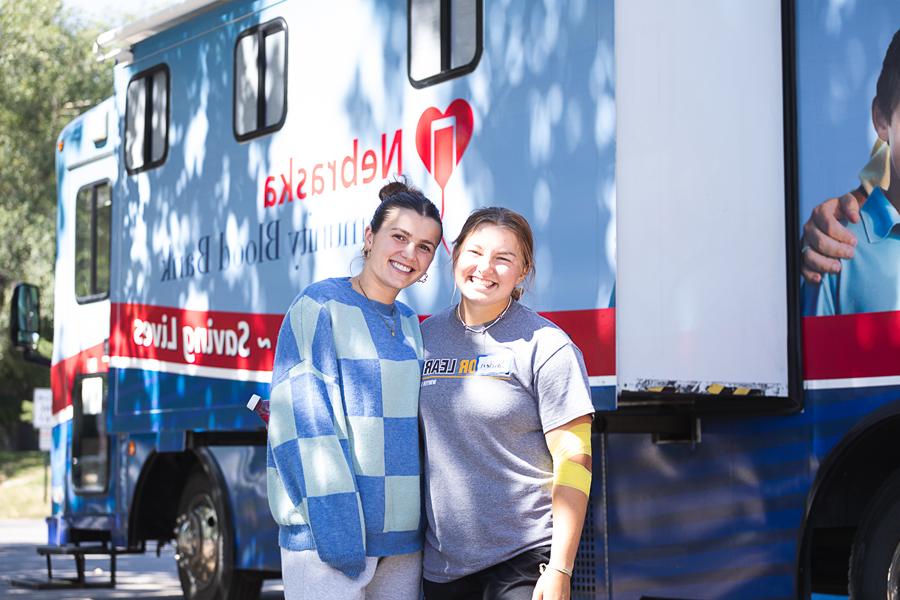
[(228, 340), (63, 373), (593, 331), (845, 346)]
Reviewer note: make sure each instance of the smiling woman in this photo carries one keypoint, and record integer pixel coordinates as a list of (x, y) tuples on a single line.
[(344, 465), (506, 418), (399, 245), (493, 254)]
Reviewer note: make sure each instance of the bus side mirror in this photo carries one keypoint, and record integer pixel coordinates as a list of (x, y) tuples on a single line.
[(25, 318)]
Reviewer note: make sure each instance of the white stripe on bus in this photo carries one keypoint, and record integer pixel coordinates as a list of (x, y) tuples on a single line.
[(150, 364)]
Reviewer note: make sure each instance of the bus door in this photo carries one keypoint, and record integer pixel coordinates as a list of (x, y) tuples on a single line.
[(81, 330)]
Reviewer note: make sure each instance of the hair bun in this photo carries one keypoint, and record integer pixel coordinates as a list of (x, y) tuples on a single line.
[(397, 187)]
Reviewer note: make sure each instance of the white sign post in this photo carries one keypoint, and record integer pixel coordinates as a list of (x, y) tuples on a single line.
[(43, 408), (45, 439), (42, 415)]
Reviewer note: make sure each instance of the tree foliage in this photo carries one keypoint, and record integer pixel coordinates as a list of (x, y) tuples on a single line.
[(48, 75)]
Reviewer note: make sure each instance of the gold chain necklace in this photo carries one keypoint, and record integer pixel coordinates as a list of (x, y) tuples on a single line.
[(387, 323)]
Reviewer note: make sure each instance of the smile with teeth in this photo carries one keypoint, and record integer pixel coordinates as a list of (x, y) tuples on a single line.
[(401, 267), (482, 282)]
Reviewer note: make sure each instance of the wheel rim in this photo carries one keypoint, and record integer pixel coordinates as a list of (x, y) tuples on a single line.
[(197, 542), (893, 576)]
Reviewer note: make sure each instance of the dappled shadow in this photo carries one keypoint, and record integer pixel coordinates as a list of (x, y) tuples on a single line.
[(543, 144), (227, 229)]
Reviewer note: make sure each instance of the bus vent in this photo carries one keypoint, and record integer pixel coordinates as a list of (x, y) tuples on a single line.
[(584, 576)]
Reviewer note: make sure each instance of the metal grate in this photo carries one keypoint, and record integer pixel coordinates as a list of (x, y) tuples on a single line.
[(584, 577), (590, 579)]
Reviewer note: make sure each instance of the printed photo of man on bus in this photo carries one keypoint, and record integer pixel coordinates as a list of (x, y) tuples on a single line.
[(870, 280)]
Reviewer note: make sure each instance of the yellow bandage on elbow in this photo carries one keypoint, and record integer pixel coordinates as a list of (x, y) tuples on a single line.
[(574, 475), (564, 445)]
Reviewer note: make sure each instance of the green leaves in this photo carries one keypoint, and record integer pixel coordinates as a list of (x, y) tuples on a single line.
[(48, 75)]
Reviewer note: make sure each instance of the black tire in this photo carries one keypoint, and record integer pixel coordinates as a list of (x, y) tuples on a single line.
[(204, 546), (875, 554)]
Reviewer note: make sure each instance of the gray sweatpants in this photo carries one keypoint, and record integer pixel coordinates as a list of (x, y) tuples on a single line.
[(306, 577)]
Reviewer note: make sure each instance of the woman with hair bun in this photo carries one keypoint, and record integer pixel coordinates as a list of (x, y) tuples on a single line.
[(505, 411), (343, 468)]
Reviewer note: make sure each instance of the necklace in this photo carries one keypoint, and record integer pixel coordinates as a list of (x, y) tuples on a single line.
[(483, 327), (389, 323)]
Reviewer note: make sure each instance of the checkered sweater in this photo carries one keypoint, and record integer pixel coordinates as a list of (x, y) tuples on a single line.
[(343, 451)]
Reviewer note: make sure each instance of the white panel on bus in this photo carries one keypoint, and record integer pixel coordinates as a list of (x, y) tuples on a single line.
[(701, 283)]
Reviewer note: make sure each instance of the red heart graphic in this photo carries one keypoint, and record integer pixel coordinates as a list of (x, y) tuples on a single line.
[(437, 139)]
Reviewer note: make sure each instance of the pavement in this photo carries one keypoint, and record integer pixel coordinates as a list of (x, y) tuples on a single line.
[(139, 576)]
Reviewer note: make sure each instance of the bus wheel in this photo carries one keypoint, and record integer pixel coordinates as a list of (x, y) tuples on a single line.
[(875, 555), (203, 546)]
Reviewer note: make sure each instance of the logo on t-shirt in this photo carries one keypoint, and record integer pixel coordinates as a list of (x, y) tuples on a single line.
[(440, 366), (487, 365)]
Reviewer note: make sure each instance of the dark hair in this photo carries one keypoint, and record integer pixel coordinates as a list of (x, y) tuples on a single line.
[(501, 217), (402, 194), (887, 90)]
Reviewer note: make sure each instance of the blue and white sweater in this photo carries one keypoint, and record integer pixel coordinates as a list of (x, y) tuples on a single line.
[(343, 468)]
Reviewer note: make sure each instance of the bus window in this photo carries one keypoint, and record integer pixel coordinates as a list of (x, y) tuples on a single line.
[(445, 39), (260, 80), (93, 213), (147, 119)]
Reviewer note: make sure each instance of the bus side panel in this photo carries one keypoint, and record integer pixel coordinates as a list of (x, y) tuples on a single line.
[(543, 143), (714, 519), (150, 401), (722, 518)]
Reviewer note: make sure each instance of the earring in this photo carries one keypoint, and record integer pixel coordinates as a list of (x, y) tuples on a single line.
[(365, 252), (423, 278)]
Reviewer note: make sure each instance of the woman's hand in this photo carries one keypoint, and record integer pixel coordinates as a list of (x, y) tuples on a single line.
[(552, 585), (825, 239)]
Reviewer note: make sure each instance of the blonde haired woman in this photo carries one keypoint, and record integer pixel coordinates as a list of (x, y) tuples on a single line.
[(506, 412)]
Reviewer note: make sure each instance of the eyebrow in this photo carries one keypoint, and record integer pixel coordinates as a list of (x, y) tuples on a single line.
[(500, 253), (409, 235)]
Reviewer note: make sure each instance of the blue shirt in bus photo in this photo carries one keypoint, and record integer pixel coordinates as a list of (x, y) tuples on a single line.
[(870, 281)]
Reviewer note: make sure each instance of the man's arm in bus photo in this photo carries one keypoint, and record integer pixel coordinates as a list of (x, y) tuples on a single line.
[(825, 239)]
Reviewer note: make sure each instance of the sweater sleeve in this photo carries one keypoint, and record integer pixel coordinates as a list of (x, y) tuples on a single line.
[(308, 437)]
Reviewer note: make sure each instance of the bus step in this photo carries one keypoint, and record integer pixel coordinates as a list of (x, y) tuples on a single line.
[(79, 581)]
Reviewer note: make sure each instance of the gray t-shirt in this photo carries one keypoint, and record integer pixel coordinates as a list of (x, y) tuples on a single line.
[(485, 403)]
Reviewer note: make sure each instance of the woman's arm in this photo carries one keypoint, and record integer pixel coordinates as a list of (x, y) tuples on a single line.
[(570, 446), (314, 481)]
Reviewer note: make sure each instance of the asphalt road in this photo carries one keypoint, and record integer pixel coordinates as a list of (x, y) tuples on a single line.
[(139, 576)]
